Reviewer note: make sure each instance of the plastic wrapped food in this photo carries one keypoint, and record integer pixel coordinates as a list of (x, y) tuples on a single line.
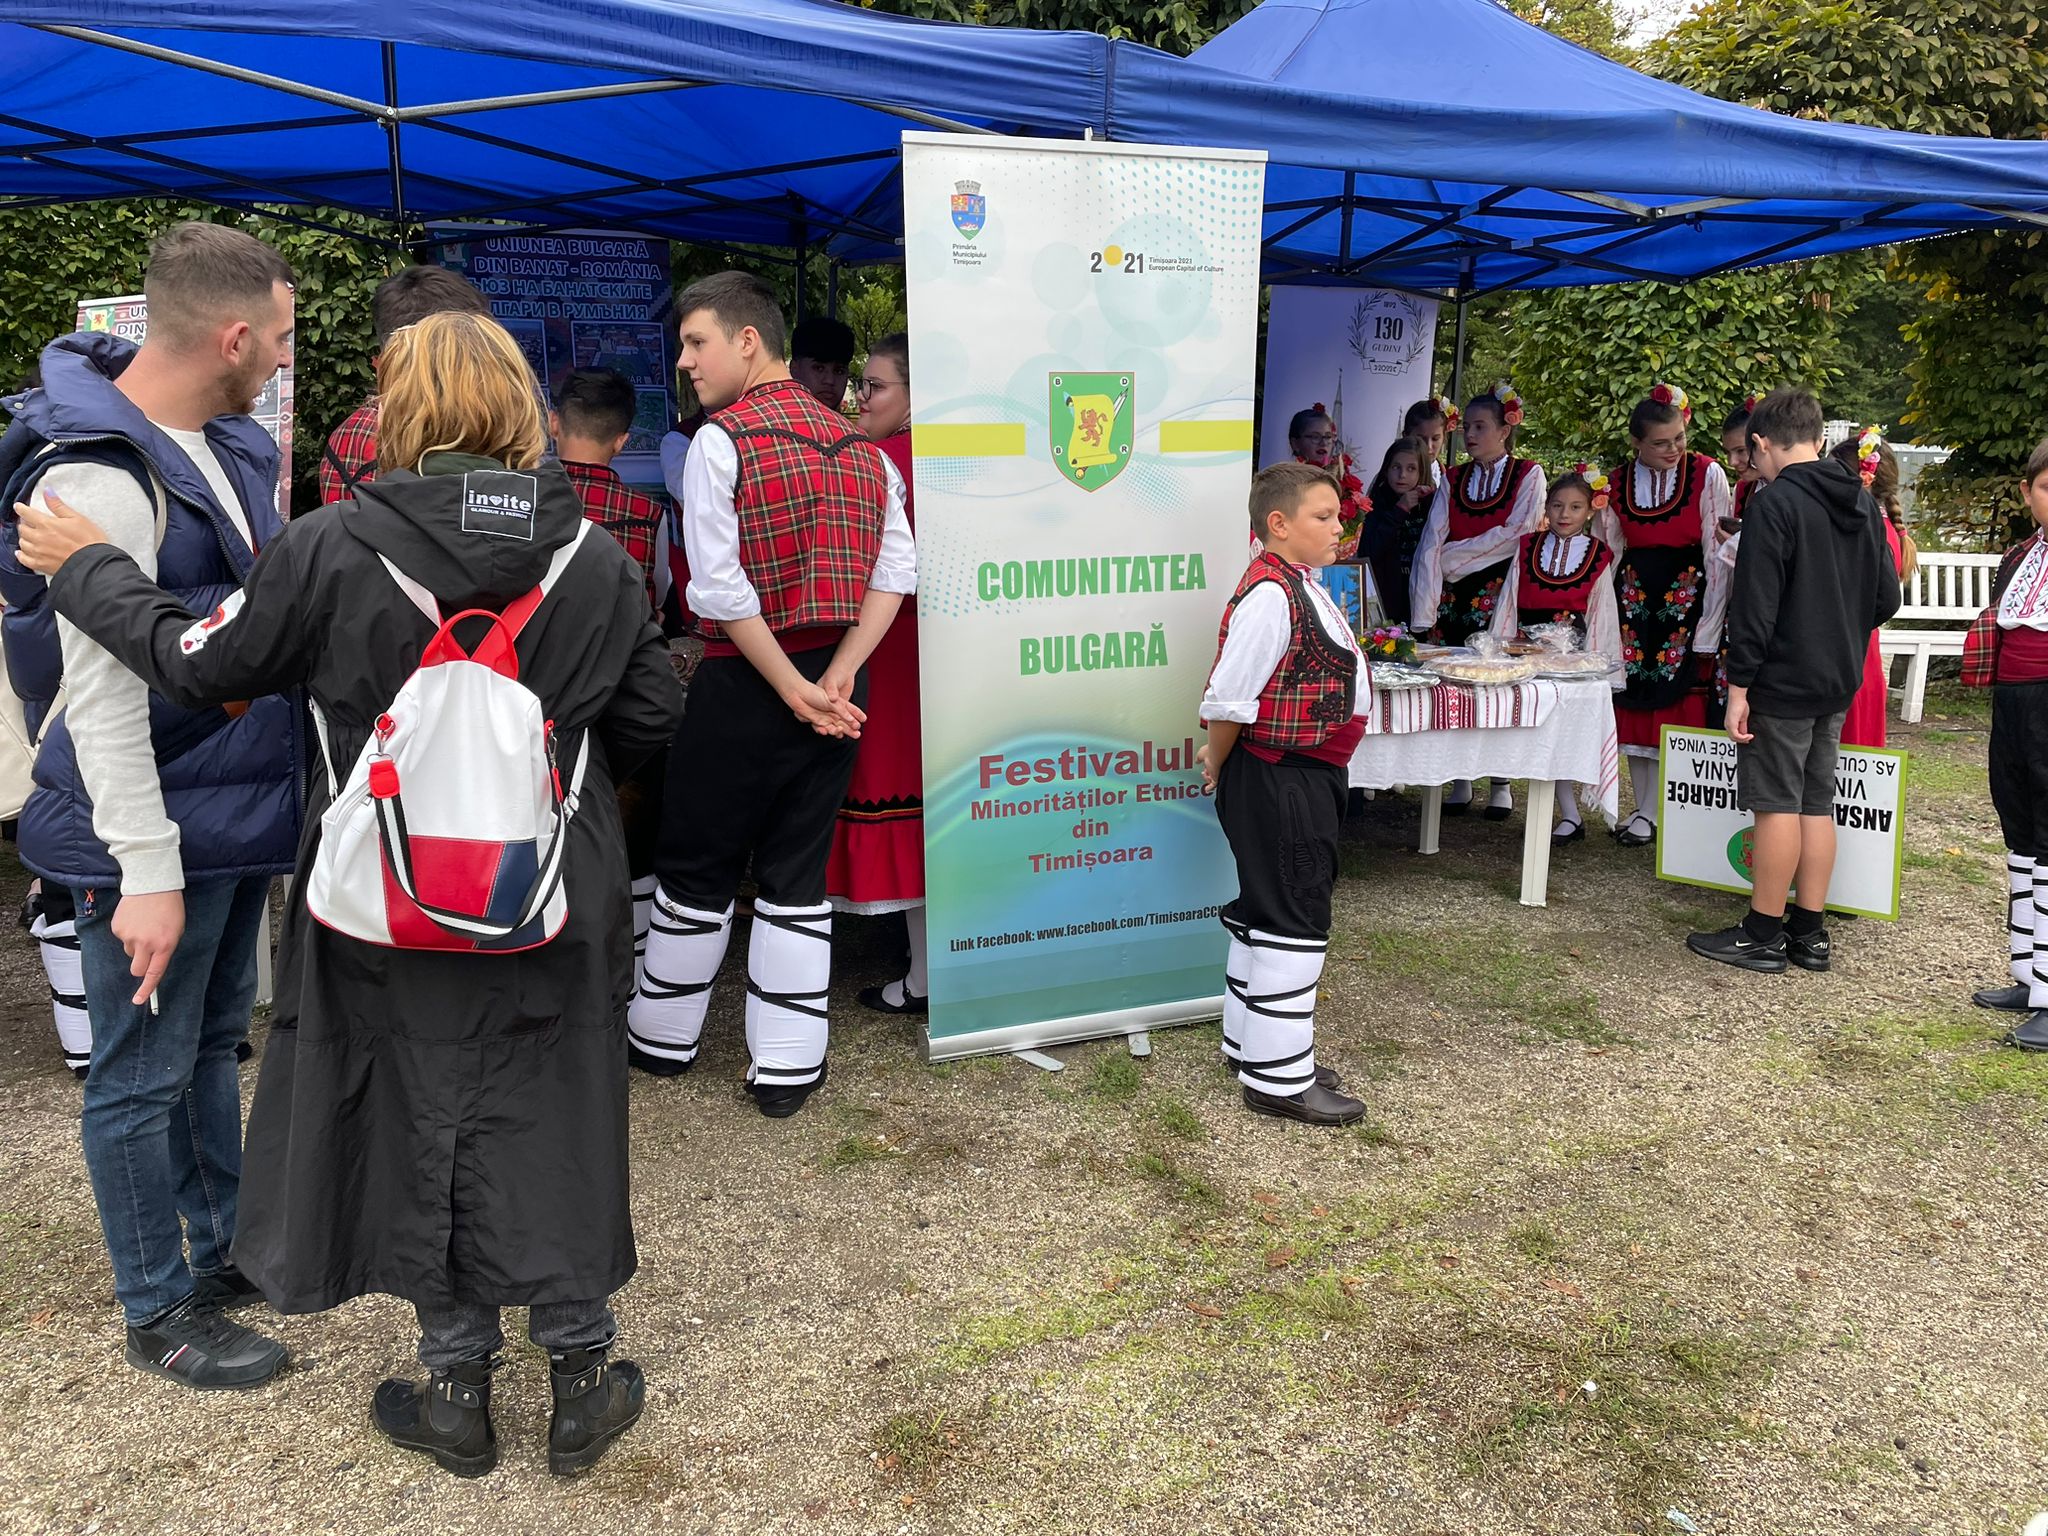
[(1485, 671)]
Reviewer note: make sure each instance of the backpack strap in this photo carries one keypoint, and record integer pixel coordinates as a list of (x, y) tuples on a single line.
[(519, 610), (350, 478)]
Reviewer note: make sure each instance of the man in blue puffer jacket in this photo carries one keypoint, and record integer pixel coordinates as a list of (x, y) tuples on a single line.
[(166, 823)]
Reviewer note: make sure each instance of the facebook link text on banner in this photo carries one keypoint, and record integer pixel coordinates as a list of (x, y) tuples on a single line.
[(1082, 929)]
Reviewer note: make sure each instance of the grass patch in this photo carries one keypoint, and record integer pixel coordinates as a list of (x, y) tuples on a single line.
[(916, 1444), (1176, 1119), (859, 1150), (1532, 987), (1325, 1298), (1952, 865), (1537, 1241), (1957, 1052), (1115, 1076), (1660, 1394), (1937, 775), (1176, 1180)]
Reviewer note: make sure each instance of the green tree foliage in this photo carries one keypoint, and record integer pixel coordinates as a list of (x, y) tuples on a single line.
[(1979, 369), (1178, 26), (59, 255)]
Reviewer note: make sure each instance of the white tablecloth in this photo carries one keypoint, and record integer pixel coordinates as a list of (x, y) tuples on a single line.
[(1576, 741)]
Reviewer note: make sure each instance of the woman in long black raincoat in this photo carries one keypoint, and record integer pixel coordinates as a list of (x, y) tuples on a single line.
[(446, 1127)]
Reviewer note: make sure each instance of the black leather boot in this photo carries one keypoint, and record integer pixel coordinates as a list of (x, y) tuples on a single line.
[(448, 1419), (597, 1399)]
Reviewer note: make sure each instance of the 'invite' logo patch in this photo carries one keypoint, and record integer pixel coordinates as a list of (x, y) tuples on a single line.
[(499, 502)]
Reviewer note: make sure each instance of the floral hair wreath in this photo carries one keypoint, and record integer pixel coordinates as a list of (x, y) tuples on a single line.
[(1597, 483), (1867, 461), (1750, 403), (1671, 394), (1510, 403), (1447, 410)]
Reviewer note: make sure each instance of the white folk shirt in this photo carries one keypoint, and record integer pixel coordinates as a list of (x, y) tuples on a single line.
[(719, 588), (2025, 604), (1440, 560), (1560, 557), (1717, 550), (1261, 630)]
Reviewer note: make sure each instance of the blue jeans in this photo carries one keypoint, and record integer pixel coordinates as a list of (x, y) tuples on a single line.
[(162, 1124)]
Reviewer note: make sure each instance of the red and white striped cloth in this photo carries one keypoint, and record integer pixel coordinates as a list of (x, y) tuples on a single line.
[(1452, 707)]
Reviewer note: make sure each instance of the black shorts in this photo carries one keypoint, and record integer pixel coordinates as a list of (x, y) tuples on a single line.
[(1282, 820), (2019, 766), (1789, 770)]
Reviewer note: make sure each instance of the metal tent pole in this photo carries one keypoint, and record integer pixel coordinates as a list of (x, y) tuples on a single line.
[(1458, 357), (390, 55)]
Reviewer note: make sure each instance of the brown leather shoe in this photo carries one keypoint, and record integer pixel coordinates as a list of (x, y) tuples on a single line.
[(1314, 1105)]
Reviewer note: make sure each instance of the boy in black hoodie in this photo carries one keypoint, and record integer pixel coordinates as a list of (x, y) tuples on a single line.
[(1813, 578)]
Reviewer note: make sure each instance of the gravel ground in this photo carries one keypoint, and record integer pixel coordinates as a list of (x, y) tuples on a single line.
[(1630, 1244)]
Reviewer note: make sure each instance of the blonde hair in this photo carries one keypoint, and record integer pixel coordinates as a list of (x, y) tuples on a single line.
[(456, 383)]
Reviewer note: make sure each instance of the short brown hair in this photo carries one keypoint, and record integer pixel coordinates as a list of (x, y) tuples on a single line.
[(411, 294), (1788, 416), (738, 300), (2037, 461), (456, 383), (206, 274), (1280, 488), (897, 345)]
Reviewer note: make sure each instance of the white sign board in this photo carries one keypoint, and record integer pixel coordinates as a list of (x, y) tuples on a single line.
[(1364, 352), (1704, 840)]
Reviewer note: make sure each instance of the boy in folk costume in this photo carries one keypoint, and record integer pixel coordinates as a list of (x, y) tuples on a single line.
[(1285, 709), (800, 555), (1560, 577), (2009, 644), (1481, 511), (1664, 528)]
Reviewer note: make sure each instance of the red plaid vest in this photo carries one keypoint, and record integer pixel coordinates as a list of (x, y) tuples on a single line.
[(627, 515), (1675, 523), (351, 456), (1308, 698), (810, 496), (1469, 518), (1542, 596)]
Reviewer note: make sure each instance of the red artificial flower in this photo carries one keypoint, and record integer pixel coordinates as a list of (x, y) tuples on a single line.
[(1661, 394), (1511, 414)]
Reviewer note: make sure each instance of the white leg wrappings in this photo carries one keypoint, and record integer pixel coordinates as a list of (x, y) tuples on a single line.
[(672, 990), (1642, 778), (1460, 792), (2037, 979), (1503, 796), (2019, 916), (1568, 802), (59, 945), (1237, 980), (1280, 1014), (643, 916), (789, 981), (919, 982)]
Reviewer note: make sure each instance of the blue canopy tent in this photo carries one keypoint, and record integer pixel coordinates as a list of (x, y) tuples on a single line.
[(774, 121), (1438, 145)]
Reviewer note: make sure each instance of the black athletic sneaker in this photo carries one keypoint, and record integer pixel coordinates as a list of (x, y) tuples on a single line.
[(1809, 951), (200, 1347), (1734, 946), (225, 1291)]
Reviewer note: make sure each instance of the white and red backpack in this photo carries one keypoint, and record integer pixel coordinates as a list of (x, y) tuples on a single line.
[(451, 830)]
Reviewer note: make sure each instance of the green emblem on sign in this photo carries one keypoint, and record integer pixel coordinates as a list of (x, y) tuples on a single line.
[(1088, 422), (1742, 854)]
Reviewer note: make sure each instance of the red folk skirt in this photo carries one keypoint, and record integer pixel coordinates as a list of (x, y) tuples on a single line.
[(877, 859)]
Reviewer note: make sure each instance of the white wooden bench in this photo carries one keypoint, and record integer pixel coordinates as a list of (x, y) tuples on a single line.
[(1947, 589)]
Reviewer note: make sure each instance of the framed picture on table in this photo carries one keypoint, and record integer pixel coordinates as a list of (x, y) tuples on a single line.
[(1356, 594)]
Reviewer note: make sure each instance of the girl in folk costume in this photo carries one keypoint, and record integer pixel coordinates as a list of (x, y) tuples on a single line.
[(1561, 576), (877, 862), (1735, 450), (1399, 499), (1476, 523), (1312, 434), (1285, 708), (2008, 649), (1871, 457), (1432, 421), (1663, 528)]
